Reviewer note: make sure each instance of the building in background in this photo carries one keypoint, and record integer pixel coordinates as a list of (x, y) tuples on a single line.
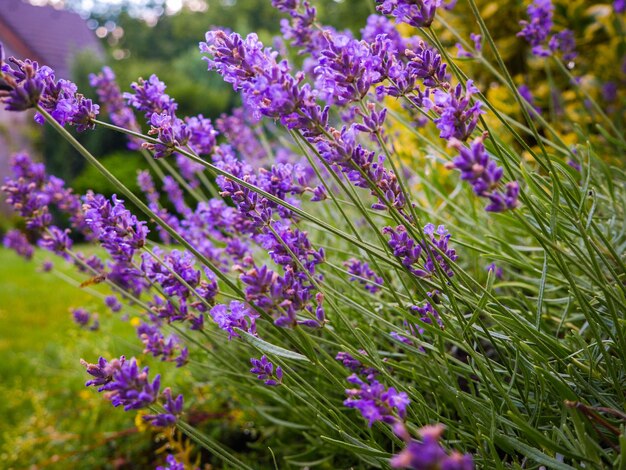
[(51, 37)]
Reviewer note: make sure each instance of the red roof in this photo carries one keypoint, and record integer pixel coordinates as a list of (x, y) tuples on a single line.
[(45, 34)]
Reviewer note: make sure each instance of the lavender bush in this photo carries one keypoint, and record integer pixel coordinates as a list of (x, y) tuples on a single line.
[(391, 319)]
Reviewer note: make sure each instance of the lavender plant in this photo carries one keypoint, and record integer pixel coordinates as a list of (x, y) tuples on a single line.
[(356, 275)]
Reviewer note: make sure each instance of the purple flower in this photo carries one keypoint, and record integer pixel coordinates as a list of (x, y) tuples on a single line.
[(427, 314), (111, 97), (202, 135), (356, 366), (285, 5), (413, 254), (428, 453), (564, 42), (171, 133), (47, 266), (113, 303), (426, 63), (377, 25), (119, 232), (56, 240), (173, 408), (235, 315), (363, 271), (264, 370), (507, 200), (162, 272), (497, 271), (236, 59), (17, 241), (82, 318), (239, 129), (30, 85), (26, 84), (149, 97), (267, 86), (418, 13), (346, 70), (476, 167), (537, 29), (375, 402), (525, 93), (124, 383), (458, 116), (172, 464), (619, 6), (159, 346)]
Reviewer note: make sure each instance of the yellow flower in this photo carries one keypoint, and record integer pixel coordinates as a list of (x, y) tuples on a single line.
[(140, 423)]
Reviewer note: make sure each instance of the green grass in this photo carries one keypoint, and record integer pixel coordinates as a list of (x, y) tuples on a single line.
[(47, 417)]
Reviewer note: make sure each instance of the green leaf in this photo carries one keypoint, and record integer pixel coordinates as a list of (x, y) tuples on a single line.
[(270, 348)]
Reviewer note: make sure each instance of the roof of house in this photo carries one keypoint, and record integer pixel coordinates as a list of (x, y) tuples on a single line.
[(45, 34)]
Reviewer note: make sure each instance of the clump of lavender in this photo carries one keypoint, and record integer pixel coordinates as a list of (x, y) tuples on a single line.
[(264, 370)]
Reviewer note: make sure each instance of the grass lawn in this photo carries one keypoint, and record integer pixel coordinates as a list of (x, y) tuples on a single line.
[(47, 417)]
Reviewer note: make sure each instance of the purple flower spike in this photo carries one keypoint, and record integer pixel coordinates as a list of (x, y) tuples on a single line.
[(17, 241), (26, 84), (418, 13), (362, 270), (537, 29), (81, 316), (458, 116), (110, 96), (264, 370), (124, 382), (375, 402), (428, 453), (235, 315), (356, 366), (113, 303), (31, 85), (172, 464), (173, 409), (477, 167), (347, 69), (56, 240)]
